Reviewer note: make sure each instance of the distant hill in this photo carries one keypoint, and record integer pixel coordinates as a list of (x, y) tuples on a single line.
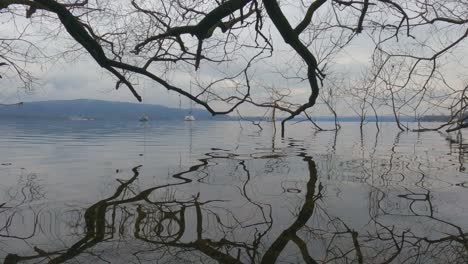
[(122, 111), (435, 118), (82, 109), (385, 118)]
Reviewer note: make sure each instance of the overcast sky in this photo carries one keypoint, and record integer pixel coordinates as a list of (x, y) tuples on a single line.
[(83, 78), (80, 77)]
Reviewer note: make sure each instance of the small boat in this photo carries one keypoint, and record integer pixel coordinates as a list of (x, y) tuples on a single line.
[(144, 118), (189, 118), (80, 118)]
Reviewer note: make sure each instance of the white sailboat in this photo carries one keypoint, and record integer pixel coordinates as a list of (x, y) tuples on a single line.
[(190, 117)]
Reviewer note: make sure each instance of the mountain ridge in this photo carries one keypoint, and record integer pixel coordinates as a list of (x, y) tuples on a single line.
[(100, 110), (85, 109)]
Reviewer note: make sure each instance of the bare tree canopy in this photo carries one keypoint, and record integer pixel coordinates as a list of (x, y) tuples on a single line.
[(227, 48)]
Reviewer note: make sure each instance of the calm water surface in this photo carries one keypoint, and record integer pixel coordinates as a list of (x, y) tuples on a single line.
[(215, 192)]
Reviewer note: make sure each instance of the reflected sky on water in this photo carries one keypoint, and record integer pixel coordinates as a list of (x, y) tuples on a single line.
[(218, 192)]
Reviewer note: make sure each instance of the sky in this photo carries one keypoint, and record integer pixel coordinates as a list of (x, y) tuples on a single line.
[(75, 75), (81, 77)]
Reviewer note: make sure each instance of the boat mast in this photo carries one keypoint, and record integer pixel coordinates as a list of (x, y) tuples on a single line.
[(191, 102)]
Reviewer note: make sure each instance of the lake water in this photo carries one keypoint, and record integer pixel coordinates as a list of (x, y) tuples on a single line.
[(216, 192)]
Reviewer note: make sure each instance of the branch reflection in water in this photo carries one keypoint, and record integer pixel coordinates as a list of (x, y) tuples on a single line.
[(170, 224)]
